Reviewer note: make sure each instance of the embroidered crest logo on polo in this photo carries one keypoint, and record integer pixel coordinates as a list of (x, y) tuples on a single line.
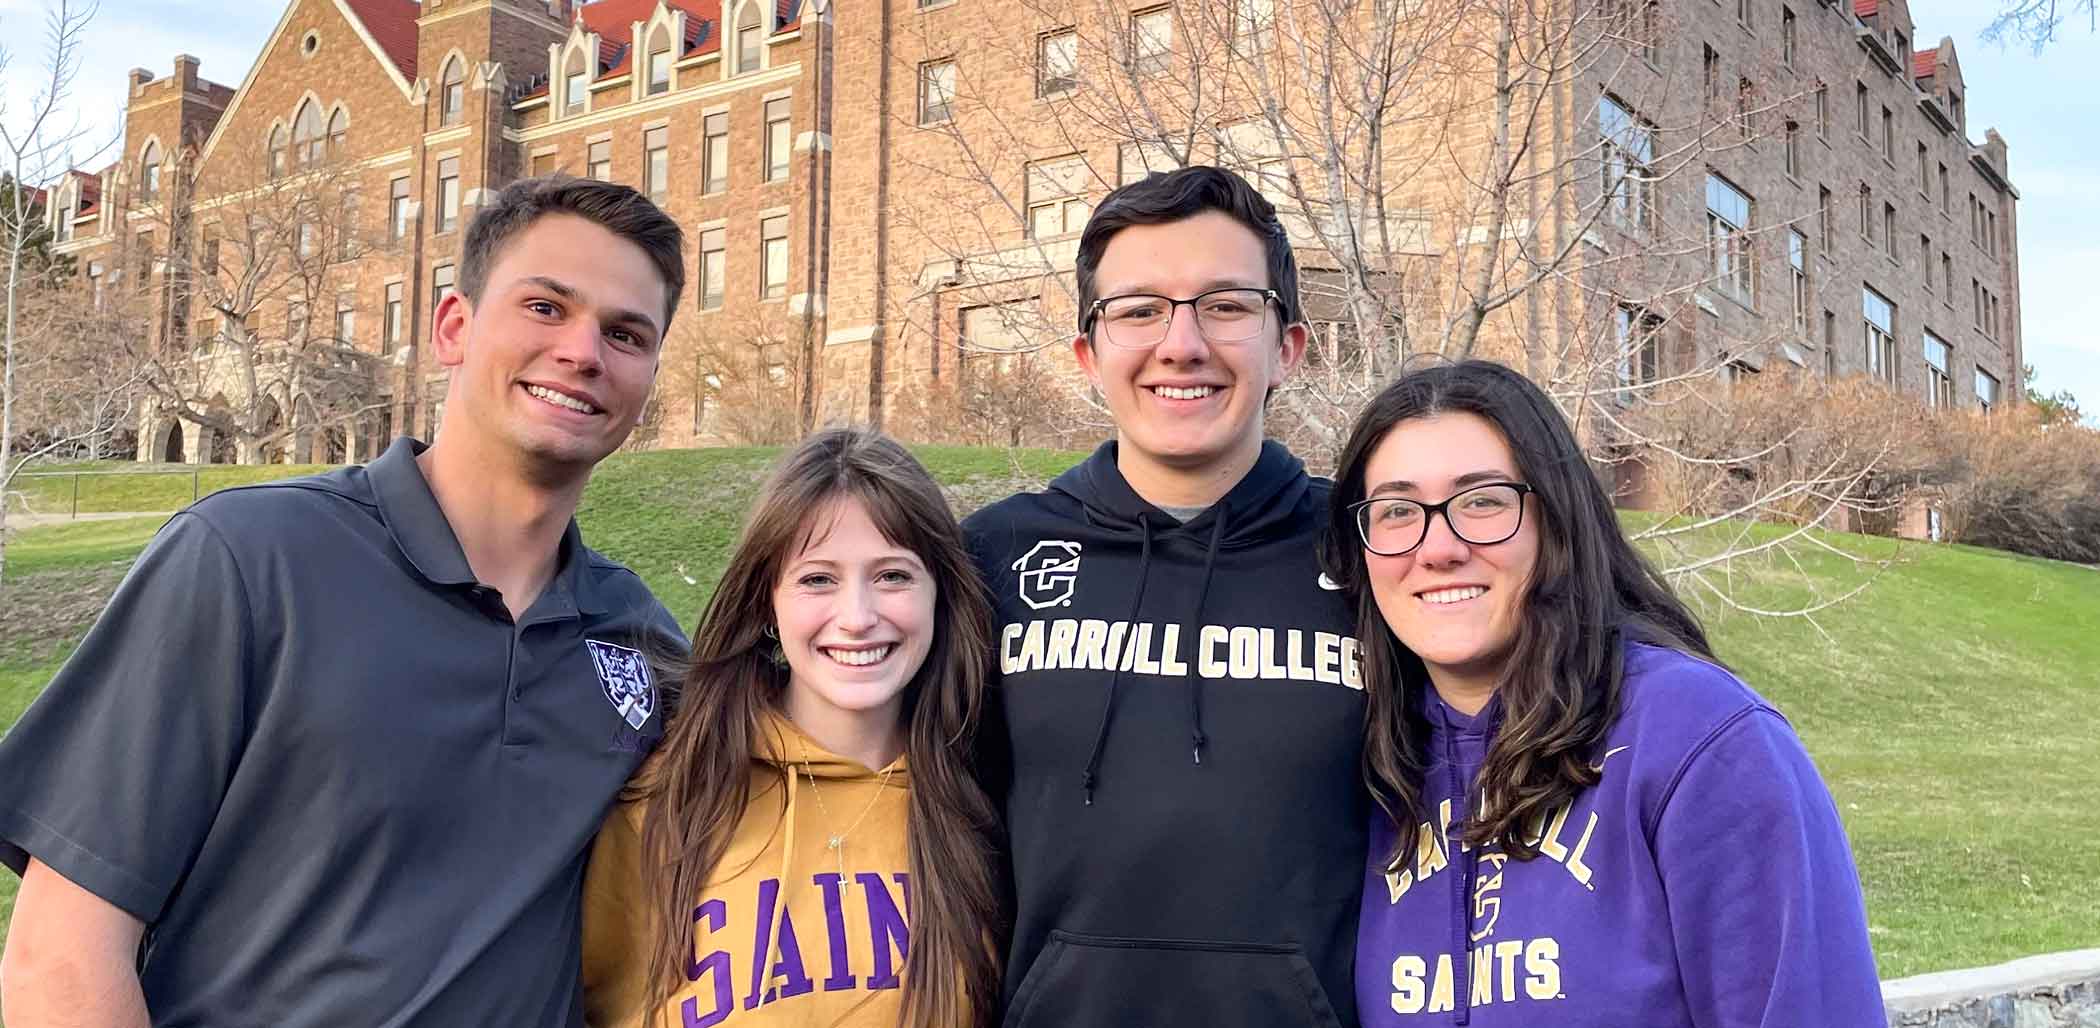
[(1049, 573), (625, 677)]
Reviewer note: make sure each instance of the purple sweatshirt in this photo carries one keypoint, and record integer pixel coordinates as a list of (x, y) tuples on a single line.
[(1705, 880)]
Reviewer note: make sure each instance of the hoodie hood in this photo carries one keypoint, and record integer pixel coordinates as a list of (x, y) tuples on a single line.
[(1270, 501)]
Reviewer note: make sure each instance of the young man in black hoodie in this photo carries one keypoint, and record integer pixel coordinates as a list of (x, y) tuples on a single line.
[(1180, 714)]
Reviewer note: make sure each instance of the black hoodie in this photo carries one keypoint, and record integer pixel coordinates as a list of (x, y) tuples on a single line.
[(1181, 713)]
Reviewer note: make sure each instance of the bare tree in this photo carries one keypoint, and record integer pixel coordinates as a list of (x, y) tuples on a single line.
[(740, 381), (2037, 22), (37, 143), (261, 251)]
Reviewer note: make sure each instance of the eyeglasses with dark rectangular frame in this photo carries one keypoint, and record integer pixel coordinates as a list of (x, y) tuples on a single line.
[(1485, 515), (1139, 321)]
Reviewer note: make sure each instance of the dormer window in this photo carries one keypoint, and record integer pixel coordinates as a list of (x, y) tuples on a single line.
[(452, 94), (750, 39), (575, 83), (660, 61), (149, 171)]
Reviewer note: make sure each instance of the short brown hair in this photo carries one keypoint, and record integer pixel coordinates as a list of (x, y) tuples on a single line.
[(617, 208)]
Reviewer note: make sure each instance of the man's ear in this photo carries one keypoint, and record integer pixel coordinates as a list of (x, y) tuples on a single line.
[(1291, 350), (1083, 352), (450, 325)]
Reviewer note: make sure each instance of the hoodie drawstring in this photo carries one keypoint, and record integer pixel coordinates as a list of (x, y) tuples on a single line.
[(1194, 626), (787, 853), (1461, 908), (1108, 706)]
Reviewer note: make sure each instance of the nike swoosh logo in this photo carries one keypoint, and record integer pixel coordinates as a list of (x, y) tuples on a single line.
[(1329, 584), (1599, 766)]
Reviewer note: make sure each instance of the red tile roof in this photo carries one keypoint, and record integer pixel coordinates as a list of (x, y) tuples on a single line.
[(392, 24), (1866, 8), (1924, 64), (613, 21), (90, 189)]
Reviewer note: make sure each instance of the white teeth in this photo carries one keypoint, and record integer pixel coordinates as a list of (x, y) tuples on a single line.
[(1178, 393), (561, 399), (1453, 595), (860, 658)]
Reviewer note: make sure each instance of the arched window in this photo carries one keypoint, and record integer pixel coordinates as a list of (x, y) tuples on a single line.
[(452, 97), (307, 139), (149, 171), (576, 82), (659, 61), (750, 39), (338, 132), (279, 150)]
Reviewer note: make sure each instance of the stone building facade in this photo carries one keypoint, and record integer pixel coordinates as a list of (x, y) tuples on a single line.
[(880, 198)]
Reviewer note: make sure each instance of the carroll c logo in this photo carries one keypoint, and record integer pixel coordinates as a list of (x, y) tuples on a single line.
[(1049, 571)]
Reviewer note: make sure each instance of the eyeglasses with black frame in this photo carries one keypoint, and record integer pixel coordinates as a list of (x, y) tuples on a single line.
[(1139, 321), (1484, 515)]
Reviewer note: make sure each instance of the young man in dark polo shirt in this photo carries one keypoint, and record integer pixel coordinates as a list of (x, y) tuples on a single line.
[(1182, 703), (335, 750)]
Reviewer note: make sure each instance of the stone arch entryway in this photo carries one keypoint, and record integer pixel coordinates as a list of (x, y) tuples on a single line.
[(167, 443)]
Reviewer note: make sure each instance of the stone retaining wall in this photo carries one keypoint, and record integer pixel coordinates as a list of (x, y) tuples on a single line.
[(2060, 990)]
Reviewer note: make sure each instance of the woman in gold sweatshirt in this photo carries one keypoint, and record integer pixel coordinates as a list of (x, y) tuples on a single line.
[(807, 846)]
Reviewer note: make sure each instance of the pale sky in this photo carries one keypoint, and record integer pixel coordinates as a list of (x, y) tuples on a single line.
[(2046, 107)]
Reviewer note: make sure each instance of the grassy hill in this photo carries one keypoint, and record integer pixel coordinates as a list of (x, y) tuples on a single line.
[(1950, 705)]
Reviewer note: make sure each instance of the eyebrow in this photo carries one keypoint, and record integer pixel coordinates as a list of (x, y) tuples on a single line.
[(1459, 484), (610, 316), (1207, 286)]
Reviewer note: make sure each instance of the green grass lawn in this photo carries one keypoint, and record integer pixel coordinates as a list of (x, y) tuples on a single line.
[(1949, 705), (109, 487)]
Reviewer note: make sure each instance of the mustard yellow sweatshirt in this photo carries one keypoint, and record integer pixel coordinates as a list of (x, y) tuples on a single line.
[(793, 930)]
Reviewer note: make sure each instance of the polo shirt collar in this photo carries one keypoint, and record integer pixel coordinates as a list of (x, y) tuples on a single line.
[(419, 529)]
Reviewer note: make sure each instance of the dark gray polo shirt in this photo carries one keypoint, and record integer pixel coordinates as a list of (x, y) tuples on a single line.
[(322, 764)]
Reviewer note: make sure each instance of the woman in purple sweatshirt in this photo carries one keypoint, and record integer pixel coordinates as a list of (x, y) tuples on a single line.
[(1587, 821)]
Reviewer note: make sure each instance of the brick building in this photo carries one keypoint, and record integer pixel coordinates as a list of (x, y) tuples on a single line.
[(877, 204)]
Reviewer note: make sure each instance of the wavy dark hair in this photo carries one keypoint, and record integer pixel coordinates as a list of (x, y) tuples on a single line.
[(1169, 196), (1590, 592), (698, 783)]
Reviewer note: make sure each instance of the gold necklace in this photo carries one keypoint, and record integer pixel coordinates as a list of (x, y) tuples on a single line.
[(836, 841)]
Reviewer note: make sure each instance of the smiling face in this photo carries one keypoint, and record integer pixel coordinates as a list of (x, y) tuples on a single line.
[(855, 619), (1455, 604), (555, 361), (1188, 406)]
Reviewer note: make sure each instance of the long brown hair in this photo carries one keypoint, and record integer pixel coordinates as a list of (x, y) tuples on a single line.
[(698, 783), (1590, 593)]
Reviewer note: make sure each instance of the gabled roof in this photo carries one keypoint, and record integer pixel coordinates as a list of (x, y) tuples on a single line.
[(90, 190), (392, 25)]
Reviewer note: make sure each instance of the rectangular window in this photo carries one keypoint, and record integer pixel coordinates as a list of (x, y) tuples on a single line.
[(1823, 111), (1939, 382), (448, 194), (750, 45), (1786, 35), (1628, 158), (574, 89), (1860, 97), (1056, 62), (773, 241), (1151, 40), (1986, 390), (1793, 150), (656, 163), (1134, 161), (1925, 258), (1728, 239), (543, 163), (1947, 277), (1880, 328), (308, 237), (210, 258), (714, 154), (1866, 212), (295, 321), (1946, 198), (714, 267), (1824, 220), (95, 279), (1924, 173), (1745, 100), (345, 321), (1797, 256), (780, 142), (1830, 344), (1057, 204), (598, 160), (1742, 13), (1888, 229), (397, 208), (390, 319), (936, 92), (1253, 24), (1710, 72), (1888, 135), (441, 284), (1638, 335)]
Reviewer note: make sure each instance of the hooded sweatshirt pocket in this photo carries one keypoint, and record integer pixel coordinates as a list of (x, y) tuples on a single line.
[(1104, 980)]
